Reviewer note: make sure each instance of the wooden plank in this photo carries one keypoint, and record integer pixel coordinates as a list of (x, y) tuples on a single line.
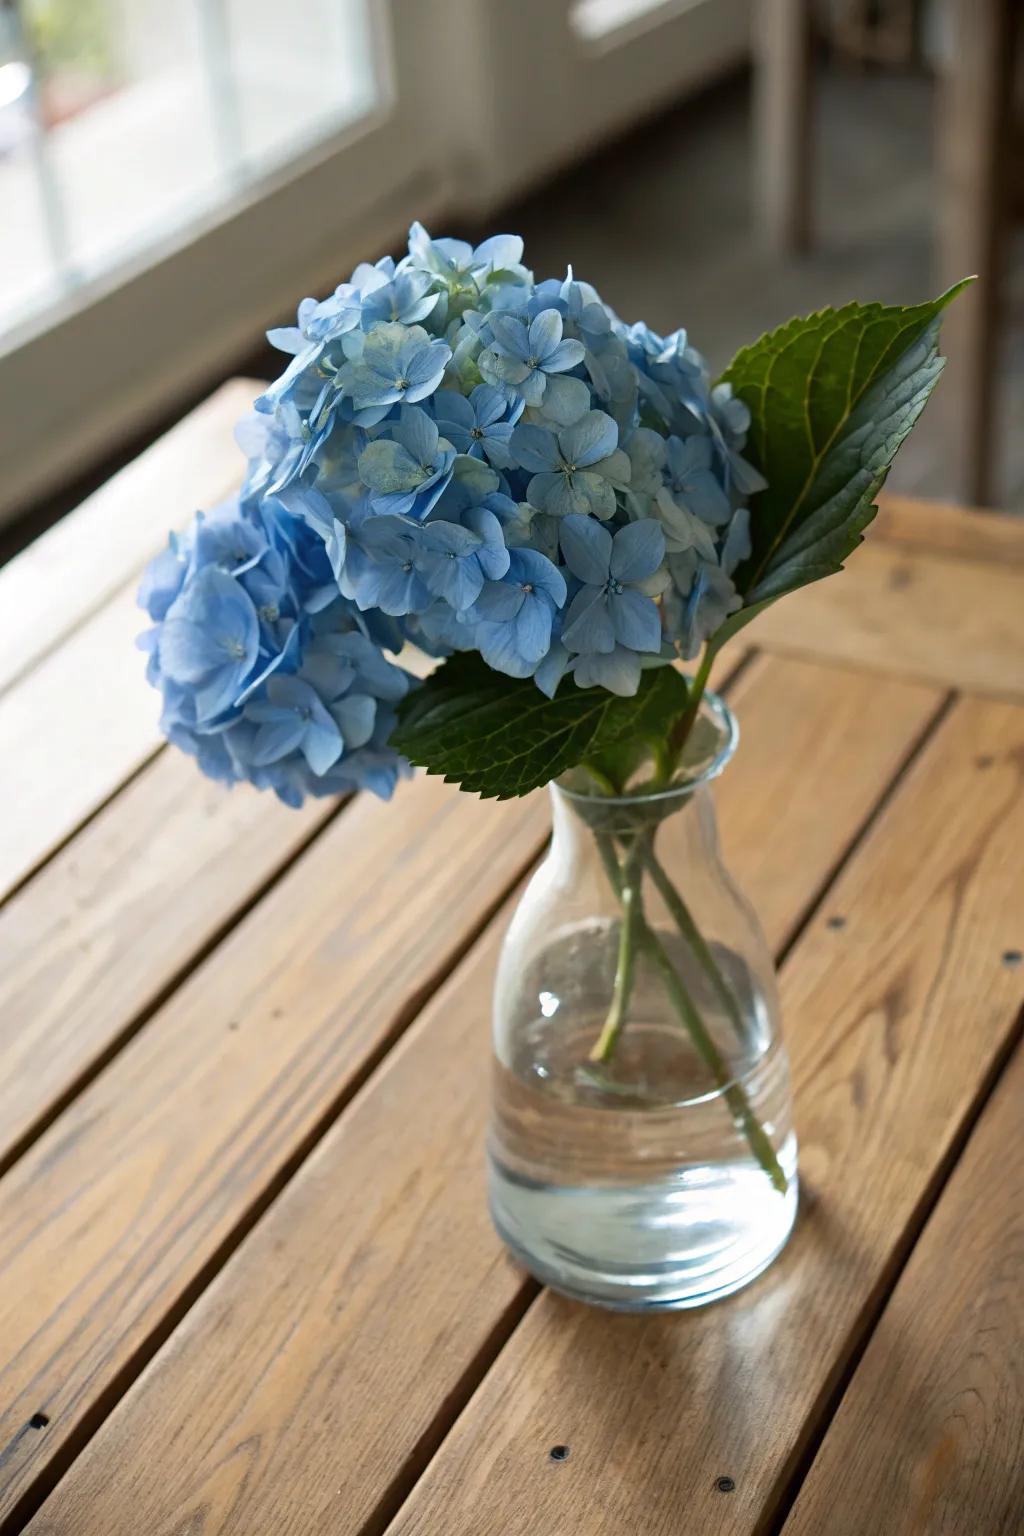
[(896, 1022), (119, 1210), (73, 730), (319, 1371), (103, 931), (953, 622), (67, 573), (929, 1434), (935, 527), (817, 748)]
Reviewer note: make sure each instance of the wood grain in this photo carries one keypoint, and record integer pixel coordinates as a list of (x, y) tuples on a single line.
[(929, 1438), (950, 622), (820, 779), (318, 1372), (118, 1210), (103, 930), (73, 729), (67, 573), (895, 1023), (937, 528)]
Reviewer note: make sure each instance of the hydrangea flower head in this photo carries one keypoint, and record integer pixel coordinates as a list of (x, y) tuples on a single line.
[(456, 457)]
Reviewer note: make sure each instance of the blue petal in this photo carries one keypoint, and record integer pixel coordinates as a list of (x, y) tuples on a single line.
[(529, 567), (588, 624), (638, 551), (568, 354), (487, 404), (322, 745), (545, 334), (535, 448), (276, 737), (533, 628), (493, 557), (587, 548), (737, 544), (450, 406), (499, 602), (511, 336), (427, 367), (499, 252), (636, 621), (389, 468), (617, 670), (564, 400), (552, 669), (355, 716), (499, 647), (418, 434), (591, 438)]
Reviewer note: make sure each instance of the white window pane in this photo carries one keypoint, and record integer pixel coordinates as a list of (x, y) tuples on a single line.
[(130, 126), (302, 71), (157, 111)]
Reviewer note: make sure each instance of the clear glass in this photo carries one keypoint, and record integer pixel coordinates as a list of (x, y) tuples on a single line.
[(641, 1147)]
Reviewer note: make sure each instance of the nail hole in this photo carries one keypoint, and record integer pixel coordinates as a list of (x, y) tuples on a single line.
[(1012, 958), (837, 922), (984, 761), (559, 1453), (38, 1421), (724, 1484)]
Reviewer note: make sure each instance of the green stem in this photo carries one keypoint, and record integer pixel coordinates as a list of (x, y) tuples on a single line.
[(629, 896), (732, 1091), (646, 940), (684, 725), (692, 935)]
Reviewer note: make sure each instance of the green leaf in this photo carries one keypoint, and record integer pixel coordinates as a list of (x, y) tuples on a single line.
[(500, 737), (831, 399)]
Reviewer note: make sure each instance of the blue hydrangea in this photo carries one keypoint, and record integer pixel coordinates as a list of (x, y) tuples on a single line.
[(267, 673), (456, 457)]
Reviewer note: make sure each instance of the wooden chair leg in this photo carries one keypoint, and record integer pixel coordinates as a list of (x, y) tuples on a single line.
[(782, 123), (973, 131)]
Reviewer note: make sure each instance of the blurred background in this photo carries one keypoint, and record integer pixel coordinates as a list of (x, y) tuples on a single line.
[(176, 174)]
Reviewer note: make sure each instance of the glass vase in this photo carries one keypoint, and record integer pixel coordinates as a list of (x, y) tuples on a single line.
[(641, 1148)]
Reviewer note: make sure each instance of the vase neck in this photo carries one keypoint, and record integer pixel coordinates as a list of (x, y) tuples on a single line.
[(648, 801)]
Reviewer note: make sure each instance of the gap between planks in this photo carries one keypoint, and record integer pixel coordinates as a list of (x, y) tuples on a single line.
[(786, 674), (113, 1044)]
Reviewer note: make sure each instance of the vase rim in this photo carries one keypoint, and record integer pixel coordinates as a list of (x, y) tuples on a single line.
[(713, 708)]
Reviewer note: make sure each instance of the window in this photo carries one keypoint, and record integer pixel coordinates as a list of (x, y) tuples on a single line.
[(123, 121)]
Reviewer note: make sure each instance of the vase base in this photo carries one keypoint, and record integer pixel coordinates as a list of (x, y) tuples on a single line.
[(669, 1246)]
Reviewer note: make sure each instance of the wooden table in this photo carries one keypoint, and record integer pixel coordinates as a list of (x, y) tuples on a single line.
[(247, 1279)]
